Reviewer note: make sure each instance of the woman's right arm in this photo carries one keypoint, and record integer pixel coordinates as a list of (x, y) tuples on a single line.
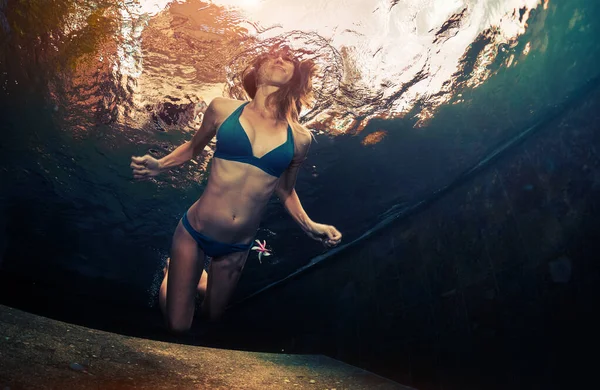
[(147, 166), (202, 137)]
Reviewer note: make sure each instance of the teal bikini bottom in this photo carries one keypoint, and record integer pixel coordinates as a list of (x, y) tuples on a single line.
[(211, 247)]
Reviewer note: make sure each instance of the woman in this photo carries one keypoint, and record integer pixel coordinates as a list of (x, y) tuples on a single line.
[(260, 147)]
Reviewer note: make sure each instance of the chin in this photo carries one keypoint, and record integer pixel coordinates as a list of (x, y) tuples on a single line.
[(277, 82)]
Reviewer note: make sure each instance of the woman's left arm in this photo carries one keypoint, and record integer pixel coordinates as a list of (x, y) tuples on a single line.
[(286, 192)]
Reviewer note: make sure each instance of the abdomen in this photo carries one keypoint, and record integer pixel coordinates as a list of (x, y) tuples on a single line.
[(233, 202)]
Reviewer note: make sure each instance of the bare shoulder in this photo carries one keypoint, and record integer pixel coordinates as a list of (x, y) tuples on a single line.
[(302, 135), (224, 102), (223, 107), (302, 139)]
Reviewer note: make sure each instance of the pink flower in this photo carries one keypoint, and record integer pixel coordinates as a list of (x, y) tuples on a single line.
[(262, 249)]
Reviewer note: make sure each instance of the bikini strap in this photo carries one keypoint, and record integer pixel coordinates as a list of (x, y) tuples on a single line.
[(238, 111), (291, 133)]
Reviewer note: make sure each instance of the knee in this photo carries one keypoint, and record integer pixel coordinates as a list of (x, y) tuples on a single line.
[(214, 316), (211, 315), (178, 327)]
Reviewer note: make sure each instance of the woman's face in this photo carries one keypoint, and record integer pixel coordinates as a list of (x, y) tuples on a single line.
[(277, 69)]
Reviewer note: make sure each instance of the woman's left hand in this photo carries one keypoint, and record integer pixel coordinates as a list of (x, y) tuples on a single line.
[(327, 234)]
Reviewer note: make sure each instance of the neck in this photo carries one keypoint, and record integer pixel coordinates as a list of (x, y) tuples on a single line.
[(259, 103)]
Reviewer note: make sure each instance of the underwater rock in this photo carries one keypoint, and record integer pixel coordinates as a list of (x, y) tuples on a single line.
[(76, 367), (560, 270)]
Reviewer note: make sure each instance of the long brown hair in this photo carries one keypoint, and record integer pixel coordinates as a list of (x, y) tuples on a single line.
[(289, 98)]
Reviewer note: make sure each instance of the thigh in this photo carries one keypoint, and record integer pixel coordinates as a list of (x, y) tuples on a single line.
[(224, 273), (185, 269)]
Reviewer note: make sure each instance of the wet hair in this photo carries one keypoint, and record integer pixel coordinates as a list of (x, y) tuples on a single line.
[(291, 97)]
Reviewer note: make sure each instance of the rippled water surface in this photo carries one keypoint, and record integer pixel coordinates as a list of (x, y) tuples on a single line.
[(410, 94)]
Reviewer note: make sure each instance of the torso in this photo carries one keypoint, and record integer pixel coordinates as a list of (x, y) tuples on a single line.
[(231, 206)]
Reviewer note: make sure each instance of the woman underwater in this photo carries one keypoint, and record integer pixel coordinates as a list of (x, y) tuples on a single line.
[(260, 148)]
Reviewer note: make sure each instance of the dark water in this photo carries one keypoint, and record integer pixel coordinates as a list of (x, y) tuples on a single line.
[(86, 84)]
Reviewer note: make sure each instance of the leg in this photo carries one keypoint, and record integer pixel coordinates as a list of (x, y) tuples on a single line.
[(162, 293), (225, 271), (183, 277)]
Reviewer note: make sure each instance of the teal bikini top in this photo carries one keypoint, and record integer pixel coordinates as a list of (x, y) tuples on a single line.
[(233, 144)]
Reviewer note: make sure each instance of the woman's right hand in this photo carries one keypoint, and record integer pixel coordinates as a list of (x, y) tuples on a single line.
[(145, 167)]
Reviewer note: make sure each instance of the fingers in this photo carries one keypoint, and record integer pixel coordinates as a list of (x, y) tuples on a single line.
[(333, 237), (138, 162), (140, 172), (333, 234), (328, 235), (142, 177), (330, 244), (139, 165), (138, 169)]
